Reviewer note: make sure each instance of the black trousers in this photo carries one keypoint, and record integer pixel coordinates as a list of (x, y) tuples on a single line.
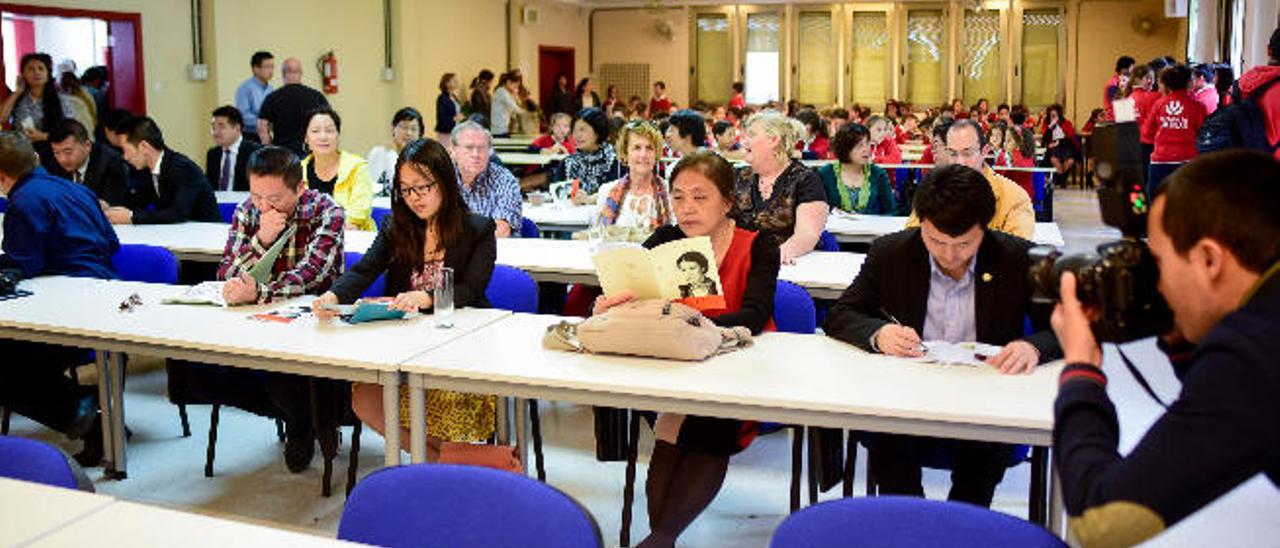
[(976, 467), (274, 395), (34, 383)]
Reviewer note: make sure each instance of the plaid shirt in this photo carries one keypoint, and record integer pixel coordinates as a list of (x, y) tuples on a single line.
[(309, 263), (495, 194)]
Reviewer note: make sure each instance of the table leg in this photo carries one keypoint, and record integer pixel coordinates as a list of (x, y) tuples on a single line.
[(522, 438), (391, 412), (117, 414), (417, 420), (1056, 508), (502, 433), (104, 407)]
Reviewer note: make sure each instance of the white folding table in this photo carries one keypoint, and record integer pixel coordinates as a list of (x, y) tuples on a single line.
[(32, 510)]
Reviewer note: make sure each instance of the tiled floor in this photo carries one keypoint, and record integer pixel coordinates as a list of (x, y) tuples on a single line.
[(251, 482)]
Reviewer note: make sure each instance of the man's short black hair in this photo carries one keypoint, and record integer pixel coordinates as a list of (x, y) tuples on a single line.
[(941, 128), (1124, 63), (597, 120), (232, 114), (259, 57), (738, 87), (115, 119), (142, 129), (690, 125), (720, 127), (68, 127), (1002, 106), (94, 75), (1204, 70), (846, 138), (1176, 78), (276, 161), (955, 198), (968, 123), (1230, 197)]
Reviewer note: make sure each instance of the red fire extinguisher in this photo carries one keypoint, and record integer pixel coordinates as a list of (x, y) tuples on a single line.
[(328, 66)]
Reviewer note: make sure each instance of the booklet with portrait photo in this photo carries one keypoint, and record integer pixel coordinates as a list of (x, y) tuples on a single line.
[(682, 270)]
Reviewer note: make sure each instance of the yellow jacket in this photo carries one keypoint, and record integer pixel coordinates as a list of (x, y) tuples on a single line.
[(353, 190), (1014, 213)]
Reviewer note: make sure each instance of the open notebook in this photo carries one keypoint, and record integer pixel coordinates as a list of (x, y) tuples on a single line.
[(211, 292), (972, 354)]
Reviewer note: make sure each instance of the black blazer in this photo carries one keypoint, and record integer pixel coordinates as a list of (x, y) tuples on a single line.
[(107, 174), (213, 165), (471, 259), (895, 277), (185, 195)]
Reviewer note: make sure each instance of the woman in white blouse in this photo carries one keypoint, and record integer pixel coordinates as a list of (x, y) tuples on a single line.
[(639, 199), (406, 127)]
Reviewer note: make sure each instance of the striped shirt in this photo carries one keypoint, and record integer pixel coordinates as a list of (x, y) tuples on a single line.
[(309, 263), (495, 194)]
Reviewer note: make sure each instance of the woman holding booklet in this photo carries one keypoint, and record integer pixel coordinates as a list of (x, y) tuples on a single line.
[(431, 229), (691, 454)]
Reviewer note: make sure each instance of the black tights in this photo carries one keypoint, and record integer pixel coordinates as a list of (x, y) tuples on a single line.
[(681, 484)]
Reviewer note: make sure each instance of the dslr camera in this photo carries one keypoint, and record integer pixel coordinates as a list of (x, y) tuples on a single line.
[(1119, 280)]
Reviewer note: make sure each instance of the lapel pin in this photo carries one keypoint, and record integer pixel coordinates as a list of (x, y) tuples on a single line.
[(986, 277)]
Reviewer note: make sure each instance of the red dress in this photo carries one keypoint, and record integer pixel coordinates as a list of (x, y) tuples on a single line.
[(887, 152)]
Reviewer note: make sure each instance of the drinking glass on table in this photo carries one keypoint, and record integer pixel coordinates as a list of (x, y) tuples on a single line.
[(443, 298)]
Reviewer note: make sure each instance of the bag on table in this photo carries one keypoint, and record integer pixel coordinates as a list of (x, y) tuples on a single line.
[(652, 328)]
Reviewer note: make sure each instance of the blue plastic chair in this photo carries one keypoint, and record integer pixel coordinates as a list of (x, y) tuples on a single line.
[(4, 205), (35, 461), (379, 286), (228, 211), (146, 263), (529, 229), (827, 242), (453, 505), (378, 214), (793, 310), (512, 289), (890, 522)]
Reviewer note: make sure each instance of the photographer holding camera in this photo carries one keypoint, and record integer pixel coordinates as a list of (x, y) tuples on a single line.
[(1214, 230)]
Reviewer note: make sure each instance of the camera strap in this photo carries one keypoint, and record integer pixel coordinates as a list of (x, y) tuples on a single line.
[(1142, 381)]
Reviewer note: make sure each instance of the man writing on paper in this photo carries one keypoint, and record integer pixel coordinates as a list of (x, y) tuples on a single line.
[(1215, 236), (952, 279), (307, 263)]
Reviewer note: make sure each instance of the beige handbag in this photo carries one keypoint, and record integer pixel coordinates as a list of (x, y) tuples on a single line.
[(653, 328)]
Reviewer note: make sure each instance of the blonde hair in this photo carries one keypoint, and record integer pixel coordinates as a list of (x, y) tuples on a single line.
[(778, 125), (638, 128)]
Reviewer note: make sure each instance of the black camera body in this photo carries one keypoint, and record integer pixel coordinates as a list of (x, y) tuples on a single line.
[(1119, 281)]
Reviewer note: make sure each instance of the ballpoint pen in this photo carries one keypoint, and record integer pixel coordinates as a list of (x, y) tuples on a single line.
[(923, 348)]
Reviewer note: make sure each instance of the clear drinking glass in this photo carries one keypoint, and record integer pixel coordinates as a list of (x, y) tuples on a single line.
[(596, 231), (443, 298)]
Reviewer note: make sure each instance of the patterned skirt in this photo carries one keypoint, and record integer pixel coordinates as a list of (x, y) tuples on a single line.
[(455, 416)]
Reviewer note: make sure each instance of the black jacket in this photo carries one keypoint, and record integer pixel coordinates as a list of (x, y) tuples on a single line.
[(213, 165), (185, 195), (107, 174), (471, 259), (895, 278)]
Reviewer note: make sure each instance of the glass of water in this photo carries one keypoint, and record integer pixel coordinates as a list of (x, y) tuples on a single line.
[(443, 298)]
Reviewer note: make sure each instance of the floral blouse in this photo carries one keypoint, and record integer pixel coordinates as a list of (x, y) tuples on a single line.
[(776, 215), (593, 168)]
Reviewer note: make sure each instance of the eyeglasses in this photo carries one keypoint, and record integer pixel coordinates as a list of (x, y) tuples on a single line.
[(966, 153), (420, 191), (131, 303)]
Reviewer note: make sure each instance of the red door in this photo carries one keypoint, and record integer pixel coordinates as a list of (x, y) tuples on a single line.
[(552, 62), (124, 62)]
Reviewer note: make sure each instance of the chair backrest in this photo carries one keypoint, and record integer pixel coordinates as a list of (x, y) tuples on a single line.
[(827, 242), (793, 310), (4, 204), (529, 229), (378, 214), (512, 289), (227, 210), (146, 263), (454, 505), (907, 521), (35, 461), (379, 286)]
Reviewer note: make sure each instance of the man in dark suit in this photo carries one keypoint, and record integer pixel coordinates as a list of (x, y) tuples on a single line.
[(94, 165), (174, 189), (226, 160), (951, 279)]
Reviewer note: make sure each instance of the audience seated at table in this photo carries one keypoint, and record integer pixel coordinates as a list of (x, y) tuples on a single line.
[(557, 139), (406, 127), (226, 160), (853, 184), (594, 162), (951, 279), (691, 454), (487, 188), (35, 107), (908, 130), (776, 194), (814, 143), (52, 227), (336, 172), (640, 198), (286, 112), (308, 264), (95, 165), (430, 227), (686, 132), (884, 140), (1015, 151), (936, 153), (725, 135), (967, 146), (170, 188)]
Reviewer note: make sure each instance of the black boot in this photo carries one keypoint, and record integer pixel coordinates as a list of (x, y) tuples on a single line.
[(91, 455), (299, 446)]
